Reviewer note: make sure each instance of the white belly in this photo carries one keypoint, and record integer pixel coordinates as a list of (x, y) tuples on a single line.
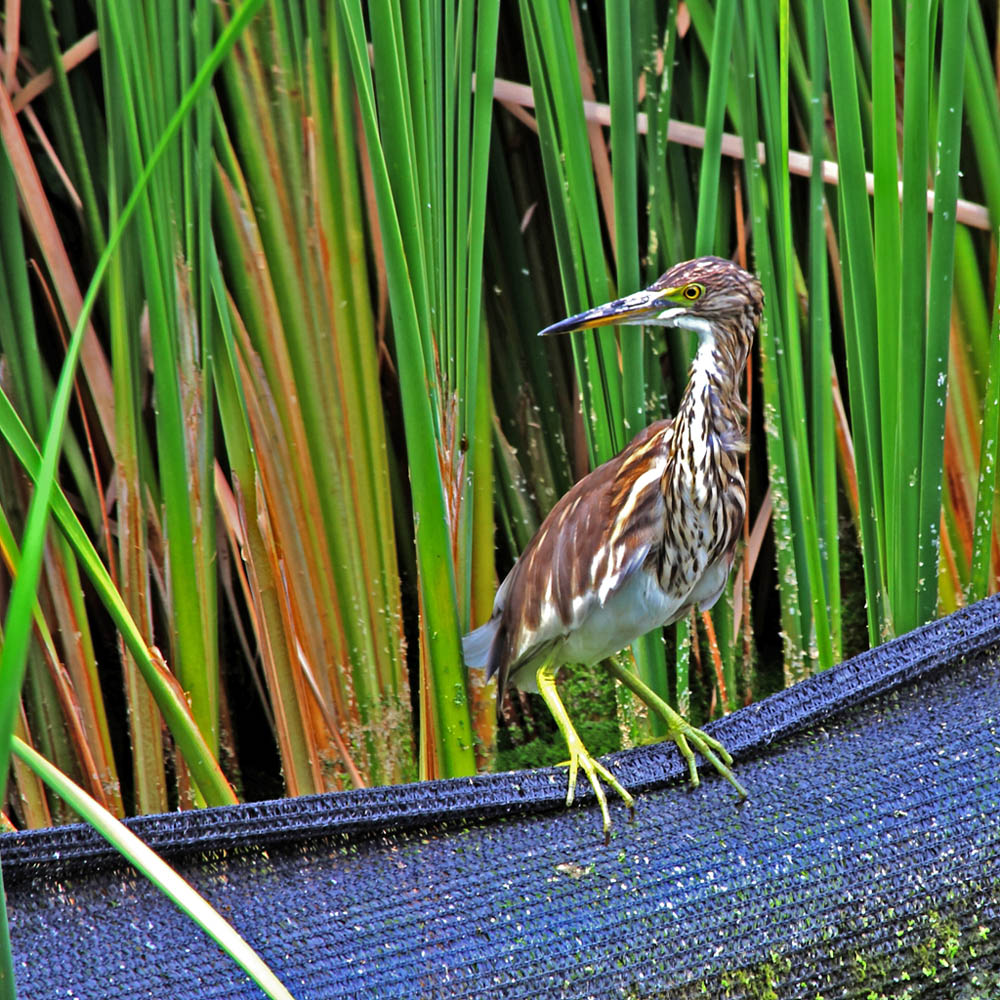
[(710, 585), (635, 609)]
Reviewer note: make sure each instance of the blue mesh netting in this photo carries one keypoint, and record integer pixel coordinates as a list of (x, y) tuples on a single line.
[(865, 864)]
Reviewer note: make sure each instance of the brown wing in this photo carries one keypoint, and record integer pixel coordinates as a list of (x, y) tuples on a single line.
[(603, 530)]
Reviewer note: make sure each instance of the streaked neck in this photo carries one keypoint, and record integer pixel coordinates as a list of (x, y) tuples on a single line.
[(711, 404)]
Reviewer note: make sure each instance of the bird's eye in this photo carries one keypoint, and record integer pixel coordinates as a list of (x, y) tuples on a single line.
[(693, 292)]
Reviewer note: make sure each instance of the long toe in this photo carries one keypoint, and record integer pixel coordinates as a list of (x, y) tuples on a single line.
[(711, 749), (587, 764), (598, 775), (681, 731)]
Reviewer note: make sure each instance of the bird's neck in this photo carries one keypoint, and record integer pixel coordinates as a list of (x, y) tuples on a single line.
[(711, 407)]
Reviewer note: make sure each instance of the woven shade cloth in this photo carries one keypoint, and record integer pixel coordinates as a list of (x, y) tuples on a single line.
[(866, 863)]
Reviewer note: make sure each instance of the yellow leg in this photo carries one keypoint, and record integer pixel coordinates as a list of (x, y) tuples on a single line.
[(579, 756), (682, 732)]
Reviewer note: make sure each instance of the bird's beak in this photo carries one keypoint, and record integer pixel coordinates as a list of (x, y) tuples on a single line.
[(637, 308)]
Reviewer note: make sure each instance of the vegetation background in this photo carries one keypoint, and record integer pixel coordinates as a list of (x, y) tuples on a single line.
[(311, 424)]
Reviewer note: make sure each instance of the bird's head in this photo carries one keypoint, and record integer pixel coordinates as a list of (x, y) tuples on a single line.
[(701, 295)]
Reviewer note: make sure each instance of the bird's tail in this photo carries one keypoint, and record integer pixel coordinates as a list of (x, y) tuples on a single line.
[(476, 646), (482, 649)]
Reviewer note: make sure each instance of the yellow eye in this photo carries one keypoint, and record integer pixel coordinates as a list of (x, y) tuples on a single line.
[(693, 292)]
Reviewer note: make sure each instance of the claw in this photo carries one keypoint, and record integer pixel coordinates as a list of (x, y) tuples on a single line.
[(579, 755)]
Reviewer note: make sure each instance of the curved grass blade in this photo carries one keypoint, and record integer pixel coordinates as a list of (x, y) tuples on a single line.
[(17, 632), (166, 880), (169, 698)]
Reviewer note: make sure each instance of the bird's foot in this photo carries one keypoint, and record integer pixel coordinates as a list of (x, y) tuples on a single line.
[(686, 736), (682, 732), (580, 757)]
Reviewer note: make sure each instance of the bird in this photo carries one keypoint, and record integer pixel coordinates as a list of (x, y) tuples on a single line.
[(644, 537)]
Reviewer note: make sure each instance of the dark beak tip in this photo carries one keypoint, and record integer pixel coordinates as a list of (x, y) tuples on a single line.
[(563, 326), (621, 312)]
